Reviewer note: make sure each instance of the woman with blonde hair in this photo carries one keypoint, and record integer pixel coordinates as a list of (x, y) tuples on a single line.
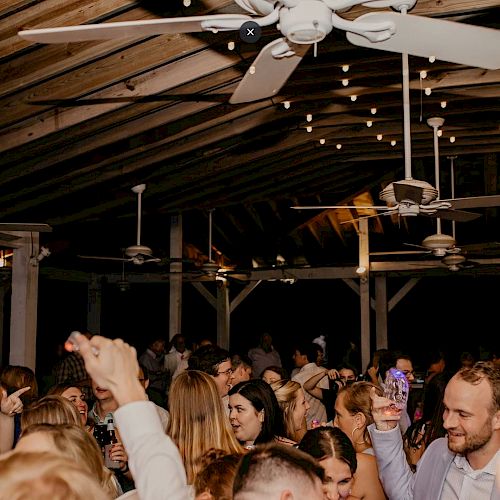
[(45, 476), (294, 406), (50, 410), (74, 443), (198, 421), (73, 394)]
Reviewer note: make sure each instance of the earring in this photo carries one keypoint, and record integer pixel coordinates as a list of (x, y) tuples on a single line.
[(354, 429)]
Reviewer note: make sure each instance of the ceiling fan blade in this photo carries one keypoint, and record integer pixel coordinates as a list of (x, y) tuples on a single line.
[(98, 257), (476, 202), (417, 246), (32, 228), (489, 247), (328, 207), (445, 40), (132, 29), (393, 211), (403, 191), (456, 215), (268, 73)]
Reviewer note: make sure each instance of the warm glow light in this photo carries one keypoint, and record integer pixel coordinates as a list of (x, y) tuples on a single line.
[(345, 68), (373, 111), (339, 146), (439, 133), (369, 123), (186, 3), (432, 59), (322, 141), (361, 270), (443, 104), (230, 45), (393, 142), (345, 82), (354, 97), (428, 91), (309, 128), (452, 139), (286, 104), (309, 117), (423, 74), (380, 137), (251, 70)]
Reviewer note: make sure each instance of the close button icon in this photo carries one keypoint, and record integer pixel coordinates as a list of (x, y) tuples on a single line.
[(250, 32)]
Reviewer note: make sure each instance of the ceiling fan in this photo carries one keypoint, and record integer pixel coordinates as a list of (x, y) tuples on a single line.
[(137, 254), (303, 23)]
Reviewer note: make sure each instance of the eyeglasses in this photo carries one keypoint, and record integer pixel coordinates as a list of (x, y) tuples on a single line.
[(227, 372), (408, 372)]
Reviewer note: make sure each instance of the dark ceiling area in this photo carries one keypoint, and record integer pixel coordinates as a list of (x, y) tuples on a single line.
[(82, 123)]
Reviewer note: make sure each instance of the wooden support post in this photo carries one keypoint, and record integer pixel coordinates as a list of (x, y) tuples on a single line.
[(4, 286), (175, 297), (223, 314), (364, 291), (381, 311), (23, 316), (94, 296)]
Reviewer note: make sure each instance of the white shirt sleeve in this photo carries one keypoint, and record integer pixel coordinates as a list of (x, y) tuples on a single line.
[(154, 459)]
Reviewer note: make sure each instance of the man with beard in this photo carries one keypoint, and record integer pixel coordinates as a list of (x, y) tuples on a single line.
[(462, 465)]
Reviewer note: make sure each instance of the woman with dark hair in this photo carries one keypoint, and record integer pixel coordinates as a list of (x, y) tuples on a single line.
[(255, 414), (273, 374)]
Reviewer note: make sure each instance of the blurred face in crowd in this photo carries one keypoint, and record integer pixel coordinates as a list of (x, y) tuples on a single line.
[(338, 478), (75, 395), (299, 359), (245, 420), (347, 375), (158, 347), (343, 419), (101, 393), (180, 344), (223, 377), (300, 410), (241, 374), (406, 366), (269, 376)]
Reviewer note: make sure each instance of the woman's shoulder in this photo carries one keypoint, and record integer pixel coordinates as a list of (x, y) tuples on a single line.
[(284, 440)]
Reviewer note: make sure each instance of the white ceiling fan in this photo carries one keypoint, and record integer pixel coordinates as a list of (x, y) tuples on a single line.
[(303, 23), (137, 254)]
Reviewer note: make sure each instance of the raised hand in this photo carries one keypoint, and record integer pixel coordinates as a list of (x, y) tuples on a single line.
[(385, 414), (12, 404)]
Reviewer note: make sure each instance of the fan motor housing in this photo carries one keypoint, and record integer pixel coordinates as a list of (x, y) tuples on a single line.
[(439, 243), (309, 22), (429, 192)]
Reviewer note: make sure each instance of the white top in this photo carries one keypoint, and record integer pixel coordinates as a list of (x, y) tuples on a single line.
[(154, 459), (317, 410)]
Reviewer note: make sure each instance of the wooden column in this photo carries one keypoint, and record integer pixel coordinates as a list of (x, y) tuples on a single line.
[(175, 297), (381, 311), (23, 316), (4, 286), (223, 313), (364, 291), (94, 296)]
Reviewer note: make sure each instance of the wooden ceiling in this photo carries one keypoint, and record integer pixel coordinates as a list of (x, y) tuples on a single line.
[(71, 164)]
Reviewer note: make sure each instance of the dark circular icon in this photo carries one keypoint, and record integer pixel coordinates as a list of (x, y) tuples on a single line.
[(250, 32)]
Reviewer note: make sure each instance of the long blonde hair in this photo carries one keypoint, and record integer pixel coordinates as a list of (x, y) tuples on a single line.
[(46, 476), (287, 392), (50, 410), (77, 444), (197, 419)]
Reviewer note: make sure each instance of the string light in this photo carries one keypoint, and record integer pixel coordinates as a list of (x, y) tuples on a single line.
[(439, 133), (393, 142), (309, 117), (286, 104), (186, 3), (443, 104), (339, 146), (432, 59), (423, 74), (428, 91), (373, 111), (452, 139), (322, 141), (251, 70), (345, 68), (369, 123), (230, 45), (309, 128), (345, 82), (354, 97), (380, 137)]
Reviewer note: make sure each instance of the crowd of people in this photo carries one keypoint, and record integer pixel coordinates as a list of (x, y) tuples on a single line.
[(198, 422)]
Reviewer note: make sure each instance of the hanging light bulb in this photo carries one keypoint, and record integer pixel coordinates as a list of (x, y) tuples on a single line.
[(432, 59), (286, 104), (345, 68), (439, 133), (339, 146), (393, 142), (380, 137), (230, 45), (309, 117), (428, 91), (452, 139), (369, 123), (423, 74), (443, 104), (354, 97), (373, 111), (309, 128), (345, 82), (322, 141), (186, 3), (251, 70)]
